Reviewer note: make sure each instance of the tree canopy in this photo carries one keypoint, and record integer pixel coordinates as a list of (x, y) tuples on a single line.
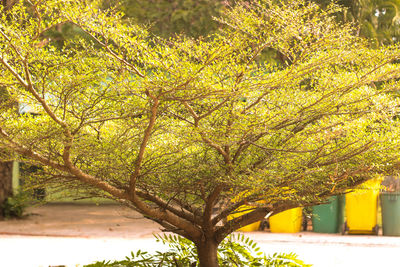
[(187, 130)]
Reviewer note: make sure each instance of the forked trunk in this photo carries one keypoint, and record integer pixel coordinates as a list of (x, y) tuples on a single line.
[(207, 252)]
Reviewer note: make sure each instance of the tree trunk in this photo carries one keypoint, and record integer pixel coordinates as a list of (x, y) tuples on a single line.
[(5, 182), (207, 252)]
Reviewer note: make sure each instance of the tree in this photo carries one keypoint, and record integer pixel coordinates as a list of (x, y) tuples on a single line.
[(190, 17), (5, 166), (5, 183), (378, 19), (5, 174), (186, 131)]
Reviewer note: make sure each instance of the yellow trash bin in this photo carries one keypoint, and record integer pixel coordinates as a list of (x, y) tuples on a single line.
[(288, 221), (362, 209), (239, 212)]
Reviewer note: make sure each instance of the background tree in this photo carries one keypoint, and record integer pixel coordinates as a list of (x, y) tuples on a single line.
[(378, 20), (163, 18), (5, 182), (186, 130), (166, 18), (5, 166)]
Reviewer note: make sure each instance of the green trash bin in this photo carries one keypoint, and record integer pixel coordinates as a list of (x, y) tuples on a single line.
[(328, 218), (390, 213)]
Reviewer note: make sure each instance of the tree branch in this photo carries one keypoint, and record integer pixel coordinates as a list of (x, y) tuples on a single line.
[(24, 151), (257, 215), (224, 213), (211, 200), (217, 147), (165, 205), (145, 140), (112, 53)]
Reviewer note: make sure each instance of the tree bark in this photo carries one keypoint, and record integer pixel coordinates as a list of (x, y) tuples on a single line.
[(5, 182), (207, 253)]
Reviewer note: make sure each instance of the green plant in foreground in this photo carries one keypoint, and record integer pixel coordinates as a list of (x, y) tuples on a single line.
[(234, 251), (15, 206)]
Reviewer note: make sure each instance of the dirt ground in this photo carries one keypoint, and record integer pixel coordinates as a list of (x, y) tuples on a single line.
[(81, 220)]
